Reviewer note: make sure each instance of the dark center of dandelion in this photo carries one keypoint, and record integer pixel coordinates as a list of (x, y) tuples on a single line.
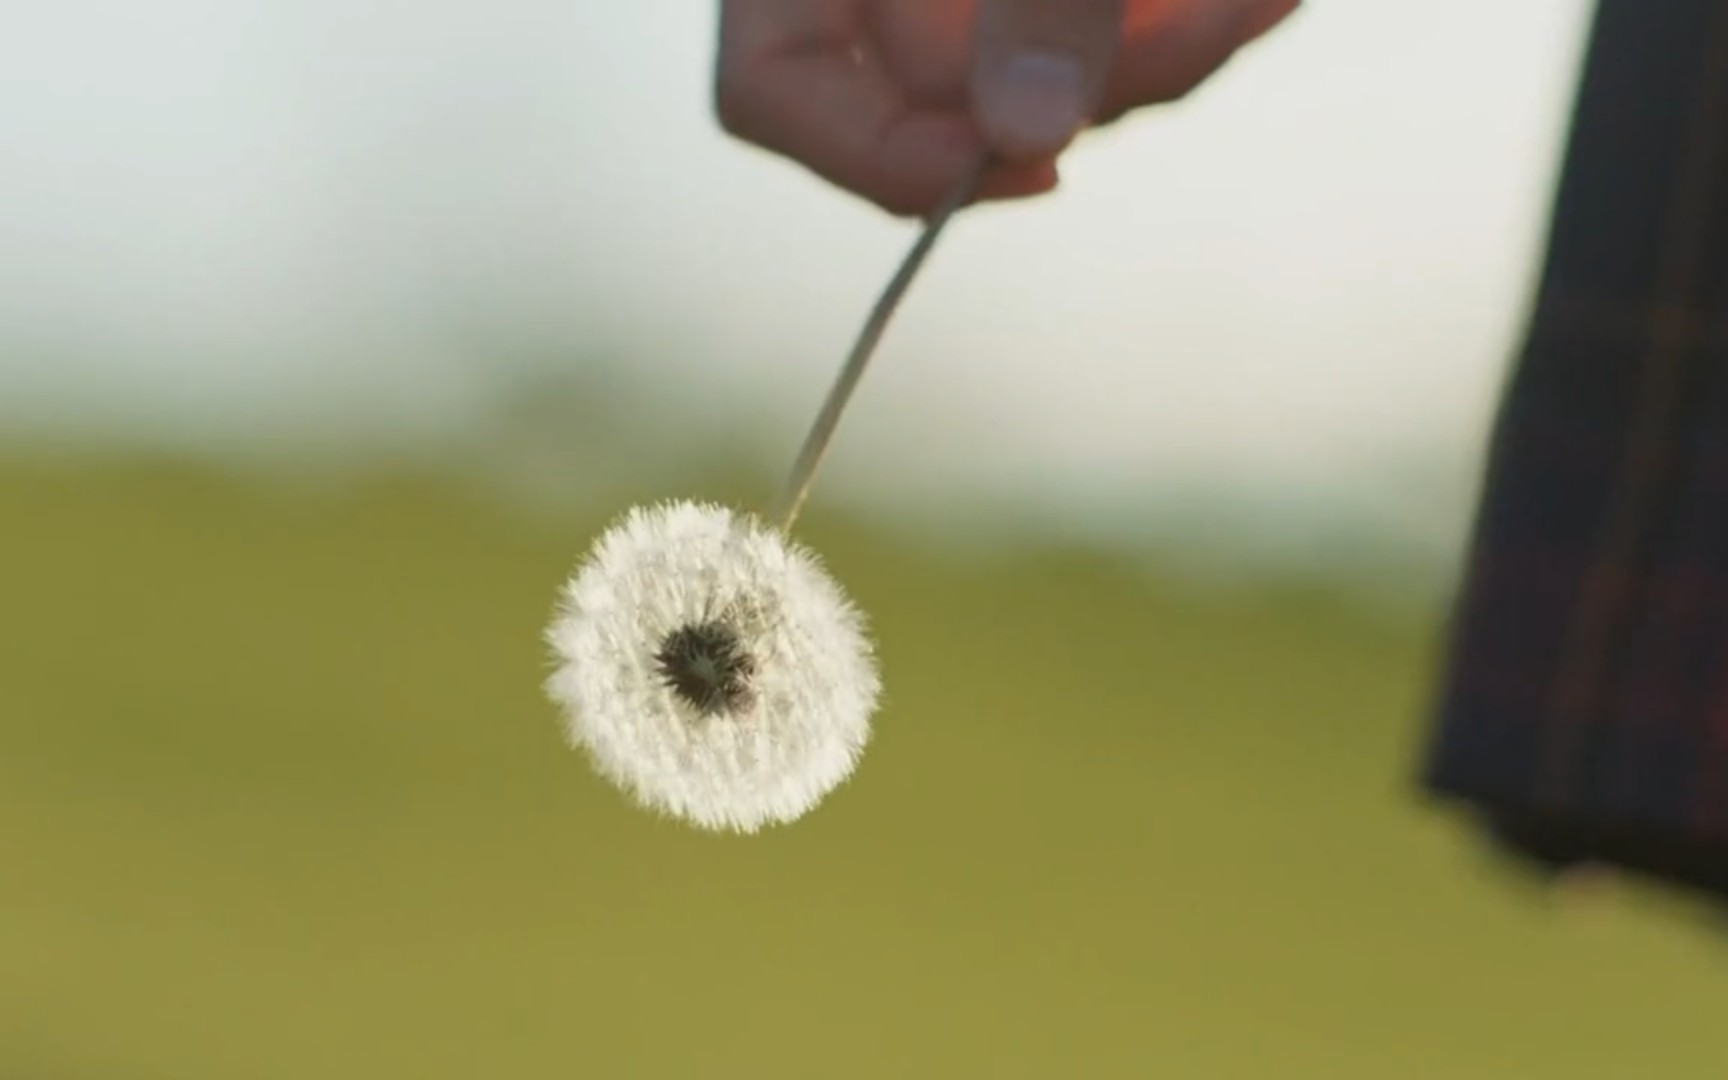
[(707, 666)]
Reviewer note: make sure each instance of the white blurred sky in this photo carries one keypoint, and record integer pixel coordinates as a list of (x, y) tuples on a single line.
[(229, 217)]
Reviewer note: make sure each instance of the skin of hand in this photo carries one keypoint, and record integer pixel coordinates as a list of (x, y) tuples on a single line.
[(894, 100)]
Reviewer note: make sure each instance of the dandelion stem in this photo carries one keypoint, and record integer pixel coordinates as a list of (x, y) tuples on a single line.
[(822, 432)]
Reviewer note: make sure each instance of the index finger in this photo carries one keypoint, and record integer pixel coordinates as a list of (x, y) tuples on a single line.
[(803, 78), (1169, 49)]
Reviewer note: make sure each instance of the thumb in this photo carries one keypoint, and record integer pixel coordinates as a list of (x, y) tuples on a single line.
[(1039, 68)]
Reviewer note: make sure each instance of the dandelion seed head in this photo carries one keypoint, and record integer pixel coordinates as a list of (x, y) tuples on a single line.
[(708, 667), (711, 668)]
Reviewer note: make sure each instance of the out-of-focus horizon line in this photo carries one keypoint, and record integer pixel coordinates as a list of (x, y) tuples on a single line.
[(298, 227)]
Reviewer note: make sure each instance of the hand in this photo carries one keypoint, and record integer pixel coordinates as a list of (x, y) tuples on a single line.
[(895, 99)]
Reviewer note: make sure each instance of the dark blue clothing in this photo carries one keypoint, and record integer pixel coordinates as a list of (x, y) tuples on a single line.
[(1584, 704)]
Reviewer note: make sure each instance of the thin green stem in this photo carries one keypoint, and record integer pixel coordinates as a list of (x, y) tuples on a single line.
[(803, 475)]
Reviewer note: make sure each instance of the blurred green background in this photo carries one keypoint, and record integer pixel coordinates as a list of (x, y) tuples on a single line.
[(279, 797)]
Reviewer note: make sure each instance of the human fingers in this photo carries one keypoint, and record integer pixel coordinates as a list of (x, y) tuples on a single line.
[(1169, 48), (802, 79), (1039, 70)]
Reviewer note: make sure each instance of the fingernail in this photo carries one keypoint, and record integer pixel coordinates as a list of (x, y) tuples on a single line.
[(1033, 104)]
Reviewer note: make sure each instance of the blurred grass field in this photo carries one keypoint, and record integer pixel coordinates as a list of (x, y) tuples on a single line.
[(280, 798)]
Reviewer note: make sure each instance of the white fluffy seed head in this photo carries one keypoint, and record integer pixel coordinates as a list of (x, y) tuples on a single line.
[(711, 668)]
